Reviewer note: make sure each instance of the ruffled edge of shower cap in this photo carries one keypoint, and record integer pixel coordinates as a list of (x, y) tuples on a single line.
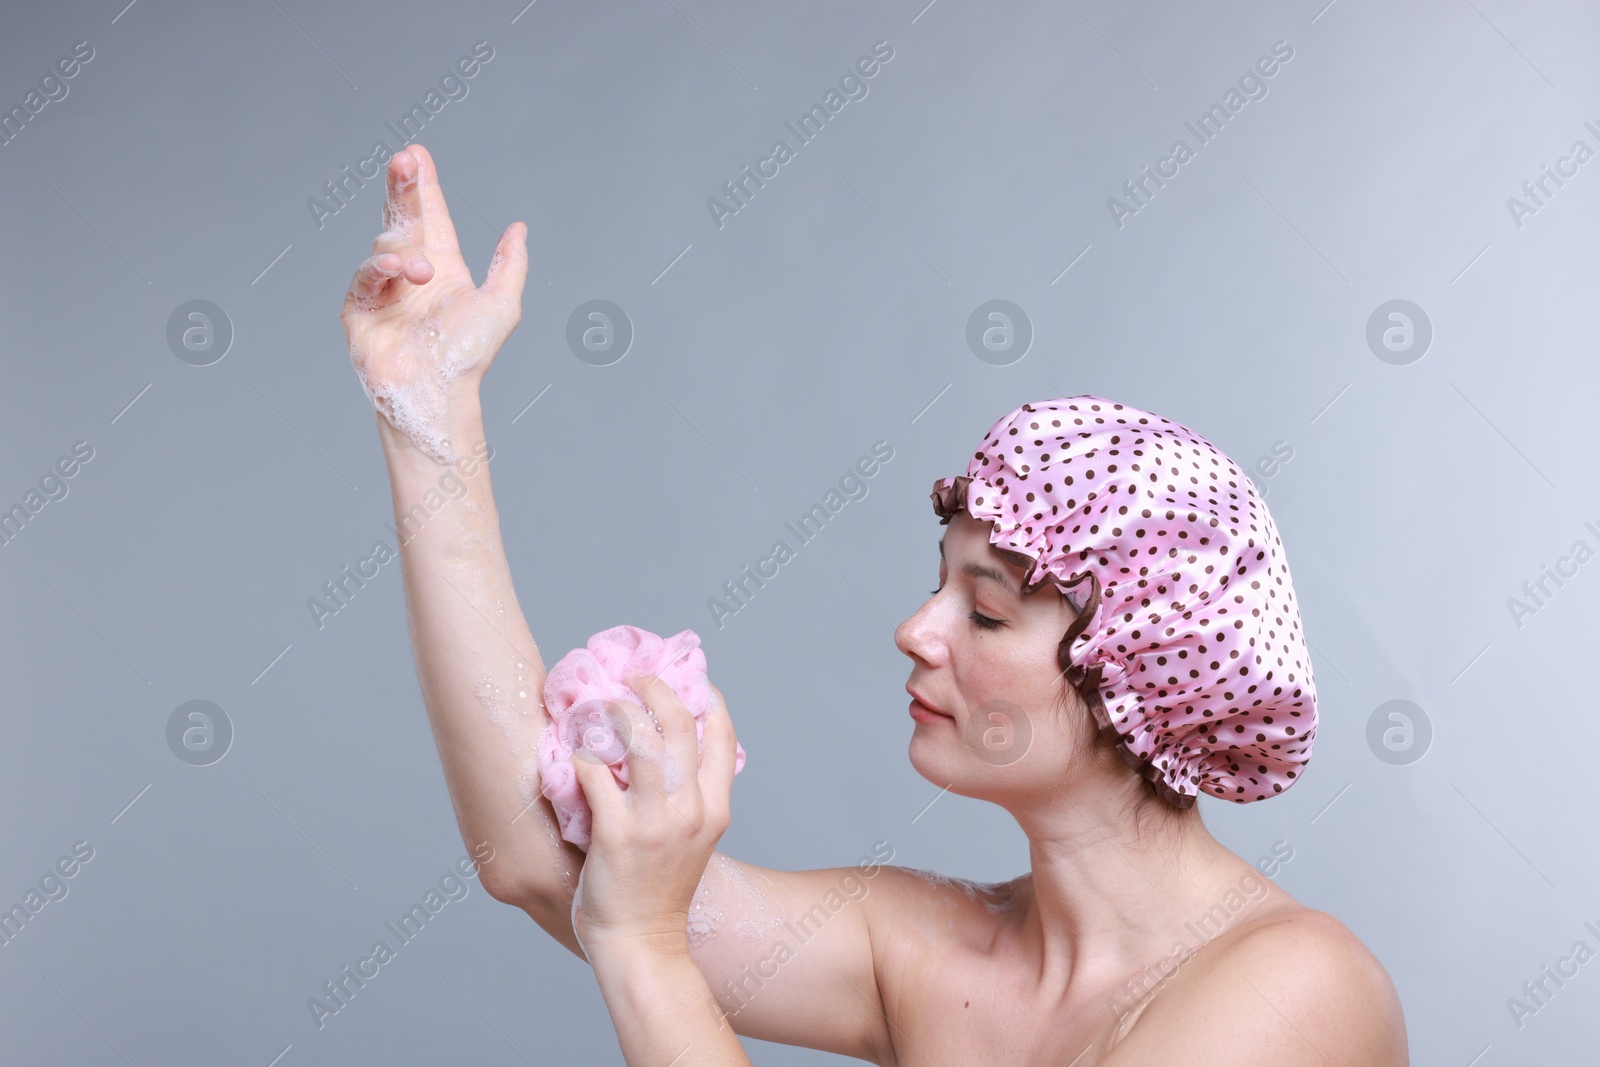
[(1082, 590), (1180, 765)]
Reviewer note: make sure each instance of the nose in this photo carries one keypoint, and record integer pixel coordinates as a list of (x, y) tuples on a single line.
[(914, 636)]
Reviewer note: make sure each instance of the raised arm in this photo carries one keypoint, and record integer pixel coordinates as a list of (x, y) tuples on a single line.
[(421, 336), (788, 953)]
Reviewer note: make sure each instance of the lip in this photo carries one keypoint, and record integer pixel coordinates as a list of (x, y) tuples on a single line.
[(923, 712)]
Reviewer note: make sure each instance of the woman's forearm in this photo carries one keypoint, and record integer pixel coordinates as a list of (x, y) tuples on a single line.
[(663, 1011), (481, 674)]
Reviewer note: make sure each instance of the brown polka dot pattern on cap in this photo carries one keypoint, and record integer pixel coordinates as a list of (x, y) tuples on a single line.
[(1188, 646)]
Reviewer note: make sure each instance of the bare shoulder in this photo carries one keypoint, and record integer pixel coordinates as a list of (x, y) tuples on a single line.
[(912, 899), (1299, 989)]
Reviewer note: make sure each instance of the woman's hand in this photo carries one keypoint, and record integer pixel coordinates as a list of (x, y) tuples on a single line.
[(420, 334), (652, 841)]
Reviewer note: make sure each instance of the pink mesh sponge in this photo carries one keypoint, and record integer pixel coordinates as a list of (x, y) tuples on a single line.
[(575, 692)]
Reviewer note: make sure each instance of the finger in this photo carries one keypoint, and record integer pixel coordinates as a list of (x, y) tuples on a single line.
[(601, 791), (718, 756), (372, 275), (508, 270), (438, 232), (415, 266), (678, 741), (402, 206), (645, 754)]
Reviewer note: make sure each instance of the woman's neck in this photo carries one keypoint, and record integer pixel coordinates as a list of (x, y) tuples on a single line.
[(1105, 902)]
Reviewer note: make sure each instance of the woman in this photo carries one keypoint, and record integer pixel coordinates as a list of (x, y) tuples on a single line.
[(1114, 631)]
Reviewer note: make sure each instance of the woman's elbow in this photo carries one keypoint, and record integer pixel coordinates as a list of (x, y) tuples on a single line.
[(511, 886)]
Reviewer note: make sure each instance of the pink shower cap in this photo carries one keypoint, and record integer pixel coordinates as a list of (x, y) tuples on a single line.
[(1187, 646), (575, 693)]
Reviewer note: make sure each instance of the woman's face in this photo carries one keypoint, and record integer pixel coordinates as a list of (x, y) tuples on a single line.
[(985, 655)]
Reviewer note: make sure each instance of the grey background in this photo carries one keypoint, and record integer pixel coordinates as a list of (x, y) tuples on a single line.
[(828, 314)]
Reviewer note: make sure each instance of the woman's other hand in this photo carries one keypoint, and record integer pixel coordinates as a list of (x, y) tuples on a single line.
[(420, 333), (652, 841)]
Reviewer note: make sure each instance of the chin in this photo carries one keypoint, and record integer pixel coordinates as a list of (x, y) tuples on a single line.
[(962, 774), (966, 775), (926, 762)]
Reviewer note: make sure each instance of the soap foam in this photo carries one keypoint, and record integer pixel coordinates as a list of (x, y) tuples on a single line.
[(397, 214), (511, 705), (512, 712), (527, 780), (561, 860), (758, 920), (414, 397), (704, 915), (488, 695), (996, 896)]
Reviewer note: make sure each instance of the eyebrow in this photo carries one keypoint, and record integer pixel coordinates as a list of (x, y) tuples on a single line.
[(984, 570)]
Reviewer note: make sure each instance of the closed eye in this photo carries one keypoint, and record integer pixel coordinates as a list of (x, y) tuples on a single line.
[(983, 621)]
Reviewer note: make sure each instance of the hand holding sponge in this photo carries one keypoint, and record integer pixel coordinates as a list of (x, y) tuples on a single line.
[(575, 693)]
